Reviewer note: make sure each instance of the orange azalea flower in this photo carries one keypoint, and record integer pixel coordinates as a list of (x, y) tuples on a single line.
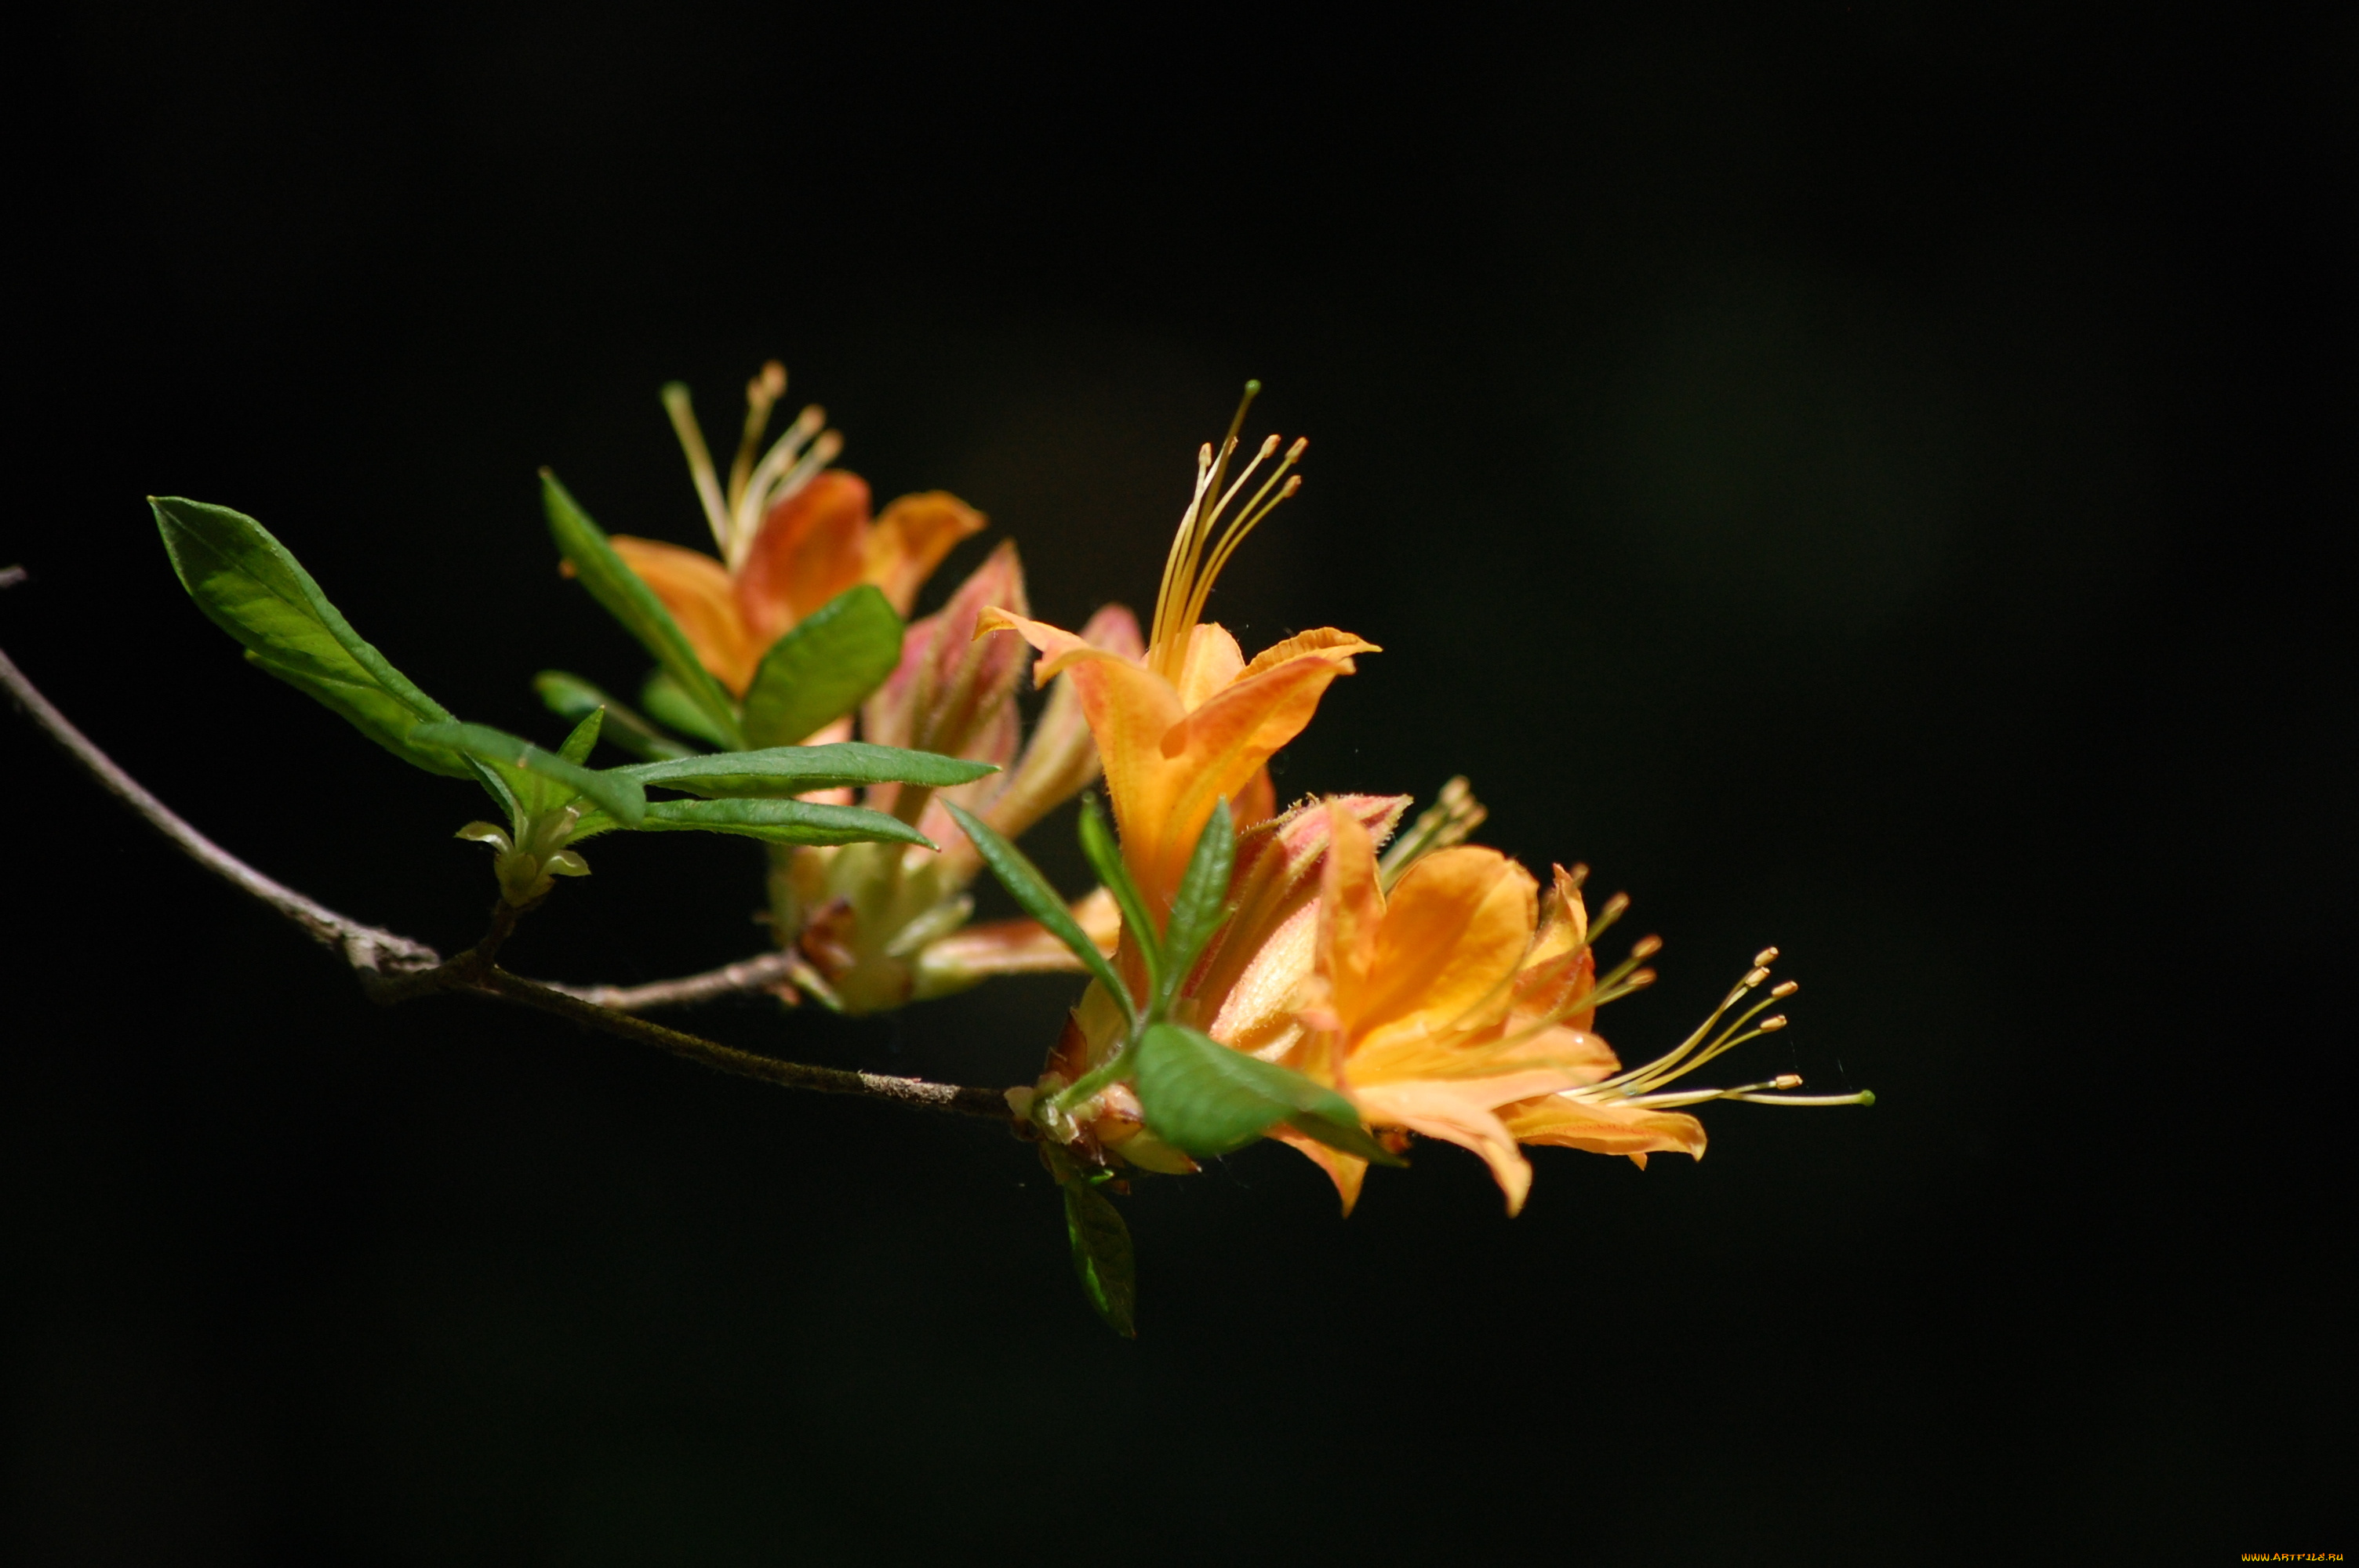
[(792, 534), (1193, 722), (1434, 1006), (1454, 1006)]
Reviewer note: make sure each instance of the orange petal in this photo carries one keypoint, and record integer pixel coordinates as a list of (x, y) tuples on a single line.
[(911, 540), (1213, 661), (1256, 803), (695, 588), (1605, 1129), (1457, 1113), (810, 547), (1455, 928), (1215, 751), (1253, 992), (1351, 912), (1346, 1171), (1325, 642), (1130, 709), (1061, 757), (1581, 1056)]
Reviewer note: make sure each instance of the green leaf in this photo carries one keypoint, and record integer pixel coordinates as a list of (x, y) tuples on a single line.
[(823, 668), (255, 590), (1101, 1256), (798, 770), (576, 749), (774, 821), (570, 697), (1105, 859), (543, 780), (667, 703), (1025, 884), (1206, 1100), (631, 601), (1202, 903)]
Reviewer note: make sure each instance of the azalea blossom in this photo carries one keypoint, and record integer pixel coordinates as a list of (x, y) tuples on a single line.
[(792, 534), (1192, 722), (882, 924), (1438, 990)]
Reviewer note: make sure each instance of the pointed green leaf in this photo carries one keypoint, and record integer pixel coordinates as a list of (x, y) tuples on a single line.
[(798, 770), (774, 821), (254, 589), (1202, 903), (1204, 1098), (1105, 859), (576, 749), (1101, 1256), (631, 601), (823, 668), (570, 697), (543, 780), (1029, 888), (666, 704)]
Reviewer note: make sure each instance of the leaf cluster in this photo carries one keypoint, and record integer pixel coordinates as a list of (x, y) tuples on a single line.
[(255, 588), (1198, 1095)]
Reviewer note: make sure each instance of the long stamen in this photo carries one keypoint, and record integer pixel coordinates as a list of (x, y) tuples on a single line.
[(785, 468), (699, 461), (1668, 1065), (762, 395), (1209, 534), (1174, 561), (1237, 531)]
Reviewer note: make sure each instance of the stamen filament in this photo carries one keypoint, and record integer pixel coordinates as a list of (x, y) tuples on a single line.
[(1864, 1096), (762, 395), (1210, 532), (699, 461), (1235, 536), (777, 476)]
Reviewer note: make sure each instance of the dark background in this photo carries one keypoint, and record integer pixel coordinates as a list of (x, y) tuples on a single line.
[(1875, 479)]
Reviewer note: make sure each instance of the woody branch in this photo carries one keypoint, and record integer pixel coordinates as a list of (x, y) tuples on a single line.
[(394, 969)]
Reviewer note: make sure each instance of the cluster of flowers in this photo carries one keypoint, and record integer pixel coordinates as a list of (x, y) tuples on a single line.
[(1433, 987)]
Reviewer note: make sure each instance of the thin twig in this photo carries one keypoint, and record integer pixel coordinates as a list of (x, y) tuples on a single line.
[(371, 952), (393, 968), (753, 974)]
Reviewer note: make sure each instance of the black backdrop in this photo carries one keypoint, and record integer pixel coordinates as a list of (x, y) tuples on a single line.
[(1875, 479)]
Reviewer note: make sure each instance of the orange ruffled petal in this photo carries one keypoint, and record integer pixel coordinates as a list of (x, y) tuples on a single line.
[(810, 547), (696, 588), (911, 540), (1605, 1129)]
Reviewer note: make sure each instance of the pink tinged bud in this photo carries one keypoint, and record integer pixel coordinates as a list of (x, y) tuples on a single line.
[(951, 693)]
